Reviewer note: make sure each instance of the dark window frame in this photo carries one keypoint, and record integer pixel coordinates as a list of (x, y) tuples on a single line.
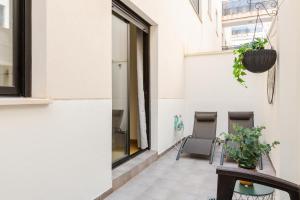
[(121, 10), (21, 50), (197, 8)]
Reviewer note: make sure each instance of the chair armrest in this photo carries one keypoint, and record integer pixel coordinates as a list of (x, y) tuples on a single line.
[(227, 178)]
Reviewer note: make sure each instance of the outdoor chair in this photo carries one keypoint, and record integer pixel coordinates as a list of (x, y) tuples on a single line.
[(227, 178), (243, 119), (119, 135), (203, 139)]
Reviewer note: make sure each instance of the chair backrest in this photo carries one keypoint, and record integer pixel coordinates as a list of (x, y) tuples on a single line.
[(117, 116), (205, 125), (243, 119), (227, 178)]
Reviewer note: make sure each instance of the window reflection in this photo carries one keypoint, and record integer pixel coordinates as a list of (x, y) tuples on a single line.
[(6, 44)]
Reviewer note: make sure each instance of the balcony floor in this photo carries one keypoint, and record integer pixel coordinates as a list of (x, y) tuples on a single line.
[(168, 179)]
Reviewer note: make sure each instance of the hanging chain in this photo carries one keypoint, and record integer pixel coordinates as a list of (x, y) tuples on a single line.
[(258, 6), (263, 28)]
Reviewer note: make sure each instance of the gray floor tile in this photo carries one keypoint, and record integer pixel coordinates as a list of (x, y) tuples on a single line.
[(189, 178)]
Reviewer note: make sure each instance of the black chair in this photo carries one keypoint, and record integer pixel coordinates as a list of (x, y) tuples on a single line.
[(227, 178), (243, 119), (203, 139)]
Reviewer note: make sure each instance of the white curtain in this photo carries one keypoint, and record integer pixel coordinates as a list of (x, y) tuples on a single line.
[(143, 142)]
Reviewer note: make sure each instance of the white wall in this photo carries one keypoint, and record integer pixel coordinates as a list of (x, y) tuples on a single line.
[(288, 96), (62, 150), (167, 109), (178, 31), (54, 152), (210, 86), (79, 49), (282, 117)]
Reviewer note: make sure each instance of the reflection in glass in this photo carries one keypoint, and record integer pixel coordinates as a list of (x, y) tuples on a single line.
[(119, 88), (6, 44)]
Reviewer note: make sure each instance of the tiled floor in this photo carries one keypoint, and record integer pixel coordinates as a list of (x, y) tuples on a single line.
[(168, 179)]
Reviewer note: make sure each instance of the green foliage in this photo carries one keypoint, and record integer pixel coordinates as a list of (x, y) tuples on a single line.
[(239, 70), (244, 146)]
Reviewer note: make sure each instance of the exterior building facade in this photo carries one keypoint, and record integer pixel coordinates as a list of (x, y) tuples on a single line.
[(56, 141), (59, 139), (239, 19)]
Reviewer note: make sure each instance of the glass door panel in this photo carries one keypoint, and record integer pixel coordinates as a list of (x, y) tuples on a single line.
[(120, 111)]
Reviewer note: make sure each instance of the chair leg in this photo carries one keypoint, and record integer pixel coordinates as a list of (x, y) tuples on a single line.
[(261, 167), (181, 148), (212, 154), (222, 156)]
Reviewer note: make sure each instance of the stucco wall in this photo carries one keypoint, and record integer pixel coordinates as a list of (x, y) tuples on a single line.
[(289, 91), (62, 150), (79, 49), (210, 87), (282, 117), (178, 32), (59, 151)]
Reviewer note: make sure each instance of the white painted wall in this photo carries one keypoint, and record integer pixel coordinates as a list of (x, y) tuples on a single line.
[(210, 87), (79, 49), (39, 49), (178, 31), (271, 111), (63, 150), (282, 117), (288, 90), (60, 151), (167, 109)]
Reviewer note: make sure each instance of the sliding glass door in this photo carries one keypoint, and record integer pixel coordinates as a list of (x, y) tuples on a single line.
[(120, 77), (130, 85)]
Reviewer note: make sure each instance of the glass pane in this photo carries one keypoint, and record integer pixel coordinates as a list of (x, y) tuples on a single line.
[(195, 4), (119, 89), (6, 44), (209, 8)]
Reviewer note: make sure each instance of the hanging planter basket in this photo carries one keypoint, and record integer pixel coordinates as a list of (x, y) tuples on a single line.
[(259, 61)]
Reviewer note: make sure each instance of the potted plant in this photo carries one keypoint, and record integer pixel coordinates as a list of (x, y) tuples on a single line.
[(253, 57), (246, 148)]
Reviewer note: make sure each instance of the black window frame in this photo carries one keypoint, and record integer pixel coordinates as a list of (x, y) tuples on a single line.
[(21, 50)]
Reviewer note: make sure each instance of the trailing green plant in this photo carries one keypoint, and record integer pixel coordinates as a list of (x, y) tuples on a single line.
[(244, 146), (239, 70)]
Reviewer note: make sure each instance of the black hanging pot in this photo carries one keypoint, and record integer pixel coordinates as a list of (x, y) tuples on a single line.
[(258, 61)]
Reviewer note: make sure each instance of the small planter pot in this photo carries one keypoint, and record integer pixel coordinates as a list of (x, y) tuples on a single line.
[(245, 182), (259, 61)]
